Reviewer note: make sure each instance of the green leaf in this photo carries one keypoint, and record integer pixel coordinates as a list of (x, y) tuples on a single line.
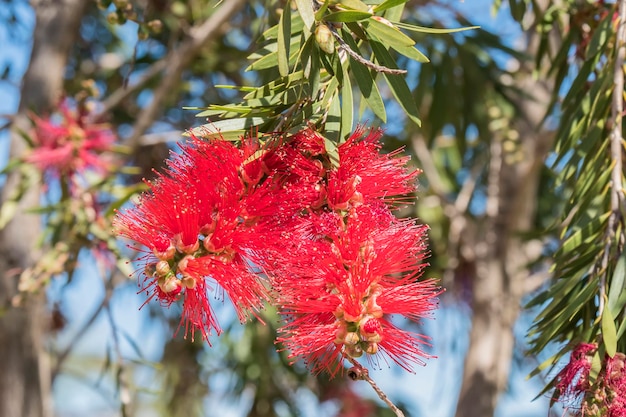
[(397, 84), (411, 52), (423, 29), (600, 36), (366, 83), (333, 120), (332, 151), (284, 37), (127, 193), (388, 5), (347, 106), (347, 16), (518, 9), (609, 333), (297, 26), (305, 8), (617, 291), (216, 129), (320, 12), (390, 35), (596, 367), (622, 330), (355, 5), (584, 234), (394, 13)]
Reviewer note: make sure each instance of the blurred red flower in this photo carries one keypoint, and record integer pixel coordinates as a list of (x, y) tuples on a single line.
[(72, 145)]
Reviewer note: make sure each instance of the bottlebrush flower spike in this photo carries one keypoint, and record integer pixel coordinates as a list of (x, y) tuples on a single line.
[(340, 291), (195, 224), (72, 146), (372, 174), (602, 396)]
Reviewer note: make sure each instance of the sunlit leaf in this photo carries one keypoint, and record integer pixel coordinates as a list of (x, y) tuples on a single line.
[(422, 29), (347, 16), (305, 8), (355, 5), (388, 4), (609, 333), (283, 41), (390, 35), (397, 84), (411, 52), (223, 126), (347, 106), (367, 84)]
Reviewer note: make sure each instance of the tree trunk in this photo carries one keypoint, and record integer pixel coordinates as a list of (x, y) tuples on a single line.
[(502, 256), (502, 272), (25, 379)]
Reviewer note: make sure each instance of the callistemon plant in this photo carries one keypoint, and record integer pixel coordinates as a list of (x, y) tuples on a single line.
[(599, 392), (69, 143), (288, 223)]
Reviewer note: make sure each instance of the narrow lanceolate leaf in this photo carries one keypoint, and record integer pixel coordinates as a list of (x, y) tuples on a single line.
[(347, 106), (355, 5), (366, 82), (223, 126), (390, 35), (397, 84), (347, 16), (609, 333), (297, 26), (320, 12), (617, 292), (422, 29), (333, 120), (411, 52), (305, 8), (284, 37), (388, 5)]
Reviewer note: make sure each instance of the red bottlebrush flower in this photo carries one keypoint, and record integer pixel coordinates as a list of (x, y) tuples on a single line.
[(339, 291), (604, 395), (72, 146), (366, 173), (194, 223), (573, 380)]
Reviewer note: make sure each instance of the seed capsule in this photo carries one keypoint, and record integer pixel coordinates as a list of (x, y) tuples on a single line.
[(324, 38)]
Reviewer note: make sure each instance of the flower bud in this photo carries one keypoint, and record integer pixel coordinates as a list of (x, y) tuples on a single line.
[(371, 348), (189, 282), (351, 339), (163, 268), (171, 286), (324, 38), (354, 351), (370, 327), (184, 263)]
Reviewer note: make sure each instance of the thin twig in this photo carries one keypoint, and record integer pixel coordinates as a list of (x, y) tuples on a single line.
[(122, 93), (344, 46), (120, 375), (358, 372), (61, 357), (617, 107), (178, 59)]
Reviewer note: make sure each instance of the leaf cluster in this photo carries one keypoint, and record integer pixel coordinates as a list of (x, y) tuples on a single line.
[(314, 56), (586, 301)]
